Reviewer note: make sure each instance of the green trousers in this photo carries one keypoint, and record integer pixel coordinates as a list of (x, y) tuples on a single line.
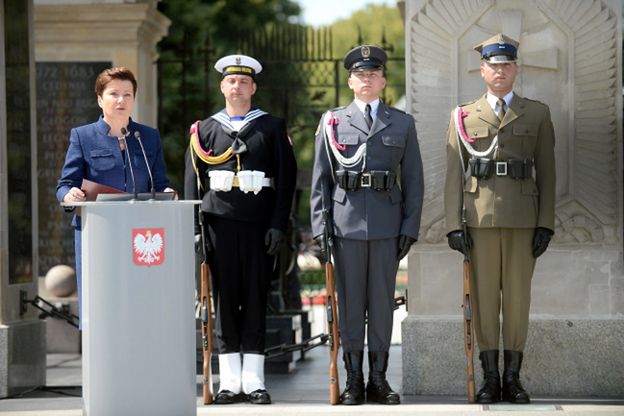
[(502, 268)]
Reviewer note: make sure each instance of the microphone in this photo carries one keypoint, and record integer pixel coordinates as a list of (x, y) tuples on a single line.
[(137, 135), (124, 133)]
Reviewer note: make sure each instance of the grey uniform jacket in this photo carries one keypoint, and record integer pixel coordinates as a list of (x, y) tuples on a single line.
[(367, 214)]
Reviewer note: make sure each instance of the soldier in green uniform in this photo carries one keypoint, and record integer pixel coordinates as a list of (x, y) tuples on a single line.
[(501, 181)]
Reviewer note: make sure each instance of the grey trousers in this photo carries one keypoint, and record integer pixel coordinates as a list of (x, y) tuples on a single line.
[(365, 280)]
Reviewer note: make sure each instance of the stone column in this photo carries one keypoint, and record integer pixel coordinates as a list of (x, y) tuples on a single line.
[(571, 59), (22, 335)]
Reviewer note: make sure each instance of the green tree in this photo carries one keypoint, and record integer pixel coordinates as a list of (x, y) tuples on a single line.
[(375, 25)]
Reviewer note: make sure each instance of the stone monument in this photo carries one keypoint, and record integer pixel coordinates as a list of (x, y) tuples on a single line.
[(570, 58)]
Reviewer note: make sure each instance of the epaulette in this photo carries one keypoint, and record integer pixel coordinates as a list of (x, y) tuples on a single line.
[(398, 110), (468, 102), (534, 101), (338, 108)]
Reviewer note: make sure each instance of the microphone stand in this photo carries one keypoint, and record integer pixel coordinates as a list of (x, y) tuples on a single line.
[(124, 133), (137, 135)]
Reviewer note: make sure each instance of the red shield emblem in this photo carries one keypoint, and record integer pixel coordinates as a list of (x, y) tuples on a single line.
[(148, 246)]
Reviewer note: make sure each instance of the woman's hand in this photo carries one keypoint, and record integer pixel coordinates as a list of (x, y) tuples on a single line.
[(175, 197), (75, 195)]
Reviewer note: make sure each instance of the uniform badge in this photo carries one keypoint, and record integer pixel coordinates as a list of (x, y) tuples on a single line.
[(238, 60), (365, 51), (148, 246)]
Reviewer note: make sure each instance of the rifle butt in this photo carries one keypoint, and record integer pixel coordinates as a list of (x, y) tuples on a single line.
[(468, 334), (334, 388), (332, 321), (207, 380), (206, 333), (471, 390)]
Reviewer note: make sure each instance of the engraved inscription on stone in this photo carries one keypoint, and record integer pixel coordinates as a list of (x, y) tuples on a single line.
[(65, 99)]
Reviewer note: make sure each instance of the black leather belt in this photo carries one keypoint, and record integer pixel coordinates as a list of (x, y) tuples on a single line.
[(379, 180), (482, 168)]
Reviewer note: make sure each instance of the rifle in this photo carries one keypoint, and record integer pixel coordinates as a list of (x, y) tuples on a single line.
[(332, 315), (468, 322), (206, 318)]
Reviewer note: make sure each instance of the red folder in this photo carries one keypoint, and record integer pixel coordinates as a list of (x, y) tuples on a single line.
[(92, 189)]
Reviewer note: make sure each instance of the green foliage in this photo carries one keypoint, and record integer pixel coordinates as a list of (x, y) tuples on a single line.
[(375, 25), (312, 278)]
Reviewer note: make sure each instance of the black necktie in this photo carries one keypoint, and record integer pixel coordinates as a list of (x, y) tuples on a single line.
[(367, 116), (501, 109)]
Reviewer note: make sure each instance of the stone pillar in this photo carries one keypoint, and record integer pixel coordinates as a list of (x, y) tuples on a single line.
[(22, 335), (571, 59), (123, 32)]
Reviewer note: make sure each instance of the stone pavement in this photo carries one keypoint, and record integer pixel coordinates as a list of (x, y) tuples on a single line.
[(303, 392)]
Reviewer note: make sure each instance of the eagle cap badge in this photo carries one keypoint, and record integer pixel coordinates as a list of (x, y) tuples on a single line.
[(148, 246), (238, 60), (365, 51)]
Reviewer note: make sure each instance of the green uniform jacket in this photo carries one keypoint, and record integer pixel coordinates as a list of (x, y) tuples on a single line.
[(526, 132)]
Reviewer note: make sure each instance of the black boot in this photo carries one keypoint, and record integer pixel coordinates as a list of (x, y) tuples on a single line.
[(513, 392), (378, 390), (354, 390), (490, 391)]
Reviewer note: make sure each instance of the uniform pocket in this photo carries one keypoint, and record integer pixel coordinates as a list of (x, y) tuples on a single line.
[(529, 188), (349, 139), (393, 141), (477, 132), (524, 130), (102, 159)]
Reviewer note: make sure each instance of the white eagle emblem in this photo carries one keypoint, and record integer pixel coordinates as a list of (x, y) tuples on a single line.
[(148, 246)]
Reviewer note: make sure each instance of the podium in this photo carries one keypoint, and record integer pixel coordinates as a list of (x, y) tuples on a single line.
[(138, 321)]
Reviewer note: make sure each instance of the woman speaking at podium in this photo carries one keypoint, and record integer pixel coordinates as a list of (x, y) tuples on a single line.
[(115, 151)]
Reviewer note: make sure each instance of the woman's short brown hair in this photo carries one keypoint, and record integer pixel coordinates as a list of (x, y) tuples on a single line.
[(106, 76)]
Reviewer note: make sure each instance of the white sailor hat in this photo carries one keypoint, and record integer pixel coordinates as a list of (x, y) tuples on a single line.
[(238, 64)]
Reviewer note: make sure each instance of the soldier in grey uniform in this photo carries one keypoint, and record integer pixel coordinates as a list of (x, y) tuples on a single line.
[(501, 179), (368, 175)]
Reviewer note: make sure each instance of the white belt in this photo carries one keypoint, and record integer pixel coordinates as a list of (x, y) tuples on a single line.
[(246, 181), (266, 182)]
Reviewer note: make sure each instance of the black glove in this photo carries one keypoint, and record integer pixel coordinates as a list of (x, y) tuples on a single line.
[(198, 243), (322, 243), (456, 241), (541, 238), (272, 240), (405, 243)]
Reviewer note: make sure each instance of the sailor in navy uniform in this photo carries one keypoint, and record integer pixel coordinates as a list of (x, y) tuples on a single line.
[(368, 175), (240, 163)]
